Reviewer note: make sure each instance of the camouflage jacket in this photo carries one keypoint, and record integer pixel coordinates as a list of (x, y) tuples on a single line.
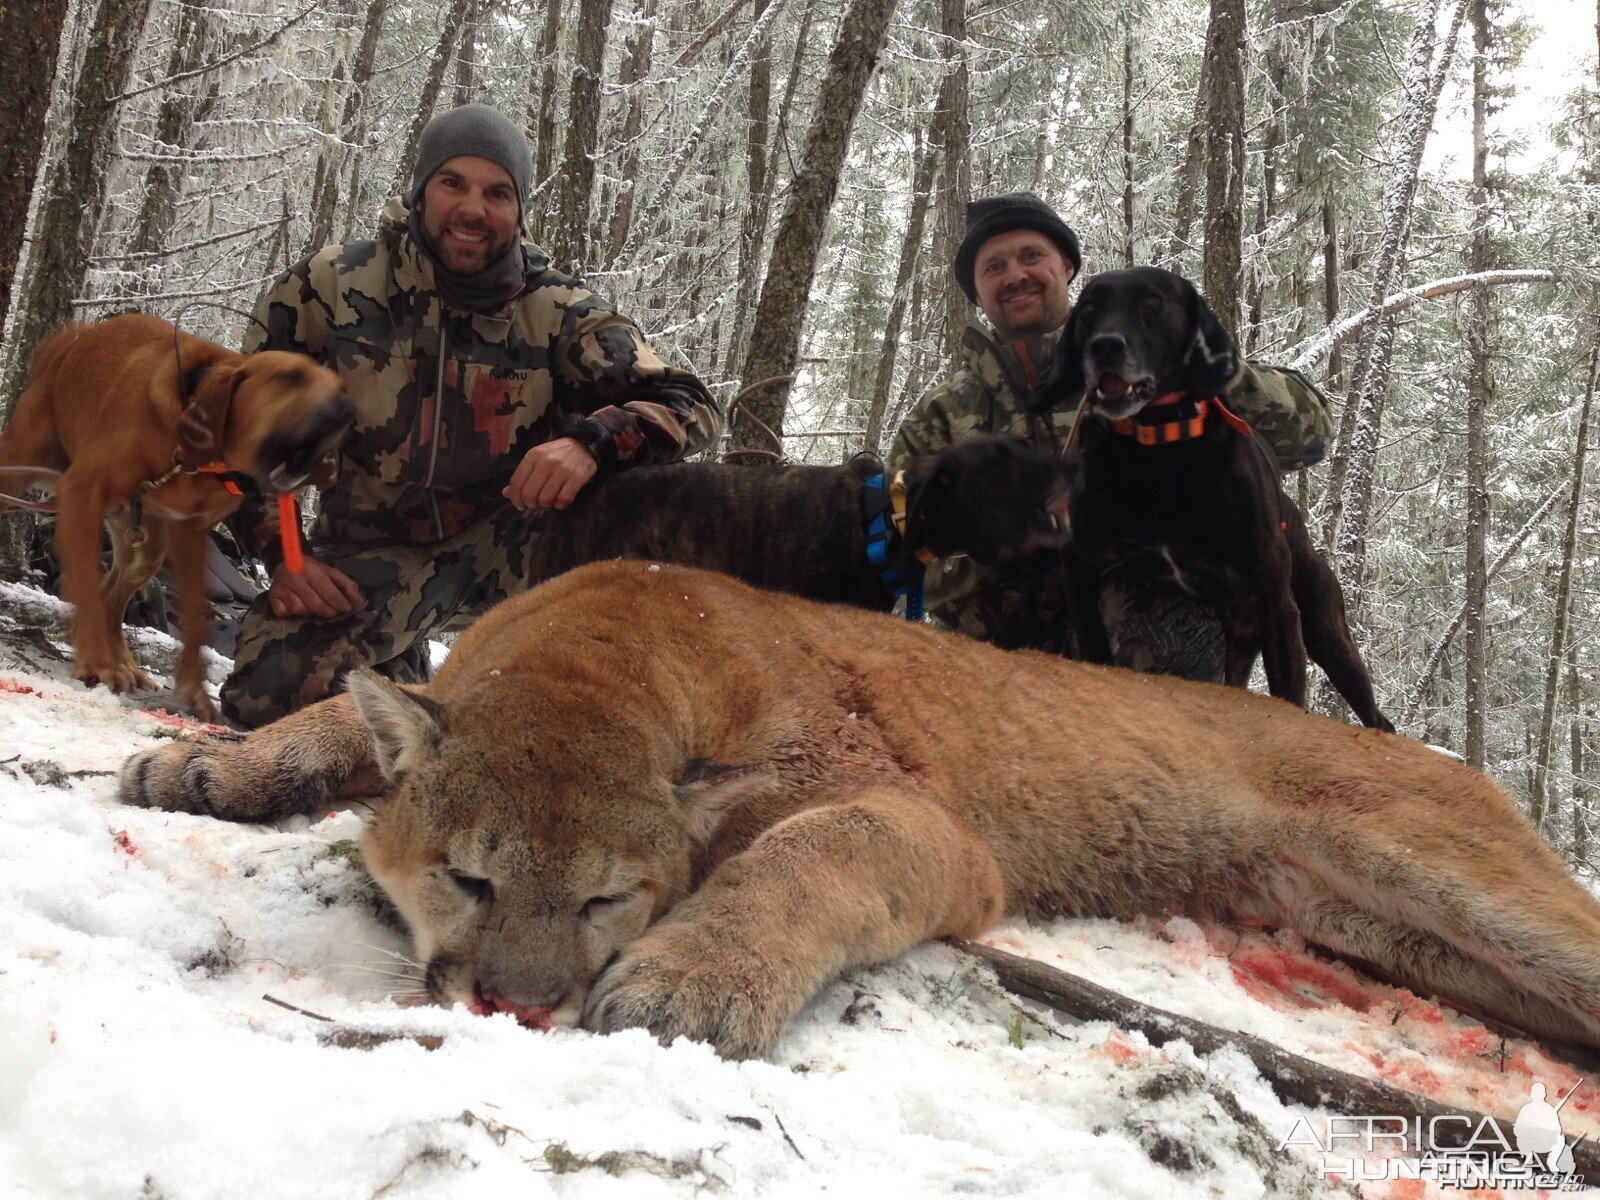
[(447, 402), (985, 396)]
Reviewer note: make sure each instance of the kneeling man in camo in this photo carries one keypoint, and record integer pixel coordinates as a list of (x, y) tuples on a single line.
[(1016, 262), (486, 386)]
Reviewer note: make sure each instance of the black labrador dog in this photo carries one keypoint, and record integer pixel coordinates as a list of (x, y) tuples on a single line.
[(806, 530), (1173, 482)]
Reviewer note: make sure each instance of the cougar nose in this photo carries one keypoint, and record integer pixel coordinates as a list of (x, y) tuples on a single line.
[(1108, 347)]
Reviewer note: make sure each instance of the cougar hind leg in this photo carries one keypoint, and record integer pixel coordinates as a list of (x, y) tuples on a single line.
[(1530, 960)]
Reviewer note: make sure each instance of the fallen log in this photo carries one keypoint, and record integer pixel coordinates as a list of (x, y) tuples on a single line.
[(1295, 1080)]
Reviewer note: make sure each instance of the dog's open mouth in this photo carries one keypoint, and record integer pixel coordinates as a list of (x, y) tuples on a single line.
[(1119, 397)]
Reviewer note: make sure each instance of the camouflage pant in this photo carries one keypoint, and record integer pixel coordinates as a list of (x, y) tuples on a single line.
[(282, 664), (1153, 626)]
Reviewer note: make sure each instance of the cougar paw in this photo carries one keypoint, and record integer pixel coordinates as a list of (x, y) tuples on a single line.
[(177, 777), (684, 981)]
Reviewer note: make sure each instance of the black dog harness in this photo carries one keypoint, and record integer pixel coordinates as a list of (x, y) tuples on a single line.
[(885, 522)]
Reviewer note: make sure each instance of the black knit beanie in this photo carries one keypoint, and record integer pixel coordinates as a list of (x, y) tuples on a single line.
[(480, 131), (995, 215)]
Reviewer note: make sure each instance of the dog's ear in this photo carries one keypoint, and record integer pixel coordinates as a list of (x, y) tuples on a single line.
[(1211, 360), (1067, 383), (204, 423), (925, 502)]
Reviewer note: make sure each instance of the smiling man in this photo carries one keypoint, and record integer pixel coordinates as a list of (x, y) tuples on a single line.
[(487, 387), (1016, 262)]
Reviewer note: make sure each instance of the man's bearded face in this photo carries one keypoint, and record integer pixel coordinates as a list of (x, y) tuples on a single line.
[(1021, 279), (470, 213)]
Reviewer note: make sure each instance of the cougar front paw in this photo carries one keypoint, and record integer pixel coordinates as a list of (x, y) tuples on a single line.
[(684, 980)]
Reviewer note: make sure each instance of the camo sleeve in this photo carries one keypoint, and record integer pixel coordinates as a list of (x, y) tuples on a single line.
[(1286, 409), (637, 408), (291, 316), (950, 410)]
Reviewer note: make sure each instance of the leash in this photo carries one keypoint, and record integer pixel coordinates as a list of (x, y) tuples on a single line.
[(41, 475), (885, 526)]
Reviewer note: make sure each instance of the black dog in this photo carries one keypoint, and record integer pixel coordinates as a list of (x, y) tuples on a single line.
[(1175, 482), (806, 530)]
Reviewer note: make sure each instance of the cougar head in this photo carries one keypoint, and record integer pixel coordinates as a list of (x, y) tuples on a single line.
[(532, 833)]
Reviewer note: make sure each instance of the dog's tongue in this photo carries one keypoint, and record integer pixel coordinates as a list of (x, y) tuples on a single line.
[(1112, 386)]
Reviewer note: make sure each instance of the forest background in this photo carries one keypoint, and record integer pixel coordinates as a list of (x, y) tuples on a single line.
[(1397, 196)]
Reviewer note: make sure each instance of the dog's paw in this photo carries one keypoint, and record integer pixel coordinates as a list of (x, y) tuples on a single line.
[(117, 676), (197, 701), (683, 980)]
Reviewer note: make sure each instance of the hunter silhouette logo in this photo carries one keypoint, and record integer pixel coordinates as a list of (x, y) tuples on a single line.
[(1538, 1131)]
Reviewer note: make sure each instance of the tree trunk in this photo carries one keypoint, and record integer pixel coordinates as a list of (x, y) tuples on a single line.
[(1350, 488), (1267, 202), (1330, 286), (953, 128), (443, 51), (569, 235), (780, 313), (30, 44), (351, 132), (1127, 139), (921, 186), (194, 40), (1224, 154), (467, 56), (1580, 818), (75, 189), (1189, 170), (635, 67), (1563, 597), (543, 116), (1479, 392), (753, 229)]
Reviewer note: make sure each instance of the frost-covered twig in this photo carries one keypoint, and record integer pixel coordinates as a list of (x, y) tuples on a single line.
[(1460, 618), (1313, 350), (207, 68), (710, 111)]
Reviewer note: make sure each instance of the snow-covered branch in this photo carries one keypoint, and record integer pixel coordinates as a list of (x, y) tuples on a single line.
[(1312, 351)]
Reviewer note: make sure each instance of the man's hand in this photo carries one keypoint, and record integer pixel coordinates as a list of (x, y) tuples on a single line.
[(551, 475), (319, 592)]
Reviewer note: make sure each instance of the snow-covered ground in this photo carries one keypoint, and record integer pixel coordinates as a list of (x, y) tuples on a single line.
[(195, 1009)]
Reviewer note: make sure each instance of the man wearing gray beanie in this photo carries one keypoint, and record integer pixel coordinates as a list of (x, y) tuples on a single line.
[(1016, 262), (487, 386)]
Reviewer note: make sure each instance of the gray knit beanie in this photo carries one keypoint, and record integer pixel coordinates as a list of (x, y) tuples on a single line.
[(478, 130), (995, 215)]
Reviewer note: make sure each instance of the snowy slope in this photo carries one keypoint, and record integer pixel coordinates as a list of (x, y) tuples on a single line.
[(140, 1057)]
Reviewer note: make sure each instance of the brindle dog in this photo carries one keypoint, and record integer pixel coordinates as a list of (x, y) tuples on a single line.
[(803, 529), (1173, 481)]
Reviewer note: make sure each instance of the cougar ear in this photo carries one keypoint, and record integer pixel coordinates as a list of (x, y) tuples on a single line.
[(406, 726), (1212, 359), (707, 789)]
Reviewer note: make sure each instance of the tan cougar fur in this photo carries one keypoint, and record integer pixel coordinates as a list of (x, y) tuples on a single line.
[(651, 796)]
